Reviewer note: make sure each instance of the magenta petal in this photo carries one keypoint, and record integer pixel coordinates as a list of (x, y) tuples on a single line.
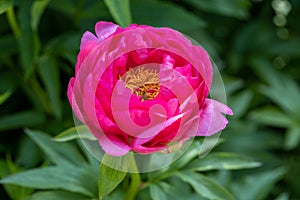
[(104, 30), (147, 150), (111, 147), (212, 119), (72, 100)]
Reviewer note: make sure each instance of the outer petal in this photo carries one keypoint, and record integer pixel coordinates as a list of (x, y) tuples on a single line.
[(84, 52), (87, 36), (72, 100), (104, 30), (211, 118), (114, 148)]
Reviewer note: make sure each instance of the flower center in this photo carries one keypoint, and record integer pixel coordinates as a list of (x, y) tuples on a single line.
[(143, 82)]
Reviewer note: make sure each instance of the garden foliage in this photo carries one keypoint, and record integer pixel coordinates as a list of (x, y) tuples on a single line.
[(254, 43)]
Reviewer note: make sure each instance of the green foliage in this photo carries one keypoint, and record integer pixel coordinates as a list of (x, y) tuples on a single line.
[(120, 11), (256, 186), (71, 171), (257, 156), (5, 5), (109, 177), (231, 8), (74, 133), (204, 186)]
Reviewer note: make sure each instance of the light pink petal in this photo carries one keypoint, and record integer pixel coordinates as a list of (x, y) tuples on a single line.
[(104, 30), (212, 119), (87, 36)]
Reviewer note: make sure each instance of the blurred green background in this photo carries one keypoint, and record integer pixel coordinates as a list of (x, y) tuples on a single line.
[(255, 44)]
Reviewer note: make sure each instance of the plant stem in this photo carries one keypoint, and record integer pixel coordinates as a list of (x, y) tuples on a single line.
[(135, 180), (13, 22)]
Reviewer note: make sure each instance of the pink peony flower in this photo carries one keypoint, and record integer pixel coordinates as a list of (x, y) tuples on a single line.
[(143, 89)]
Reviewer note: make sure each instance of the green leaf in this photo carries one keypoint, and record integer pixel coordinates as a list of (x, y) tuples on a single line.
[(65, 45), (5, 96), (28, 42), (109, 177), (290, 47), (232, 84), (21, 120), (120, 10), (159, 191), (281, 89), (271, 116), (8, 45), (170, 15), (57, 195), (67, 6), (256, 186), (14, 191), (283, 196), (59, 153), (28, 153), (190, 154), (292, 137), (73, 133), (205, 186), (5, 5), (232, 8), (241, 102), (64, 177), (222, 161), (49, 73), (37, 9)]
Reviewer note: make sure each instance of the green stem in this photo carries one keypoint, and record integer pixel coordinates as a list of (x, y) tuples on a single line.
[(13, 21), (135, 180)]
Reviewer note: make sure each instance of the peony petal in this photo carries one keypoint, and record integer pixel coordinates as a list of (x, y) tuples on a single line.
[(111, 147), (212, 119), (147, 150), (104, 30), (87, 36), (72, 100)]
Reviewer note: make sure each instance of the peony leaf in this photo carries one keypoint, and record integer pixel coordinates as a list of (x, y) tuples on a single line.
[(272, 116), (29, 44), (120, 10), (160, 191), (5, 5), (14, 192), (57, 195), (292, 137), (109, 177), (233, 8), (61, 154), (73, 133), (4, 96), (170, 15), (21, 119), (205, 186), (49, 73), (37, 10), (65, 177), (222, 161), (257, 186), (240, 102)]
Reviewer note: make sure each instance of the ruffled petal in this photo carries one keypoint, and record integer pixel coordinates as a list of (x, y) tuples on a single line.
[(212, 119), (87, 36), (104, 30)]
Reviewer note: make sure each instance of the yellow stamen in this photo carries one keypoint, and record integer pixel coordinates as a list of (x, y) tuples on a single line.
[(143, 82)]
